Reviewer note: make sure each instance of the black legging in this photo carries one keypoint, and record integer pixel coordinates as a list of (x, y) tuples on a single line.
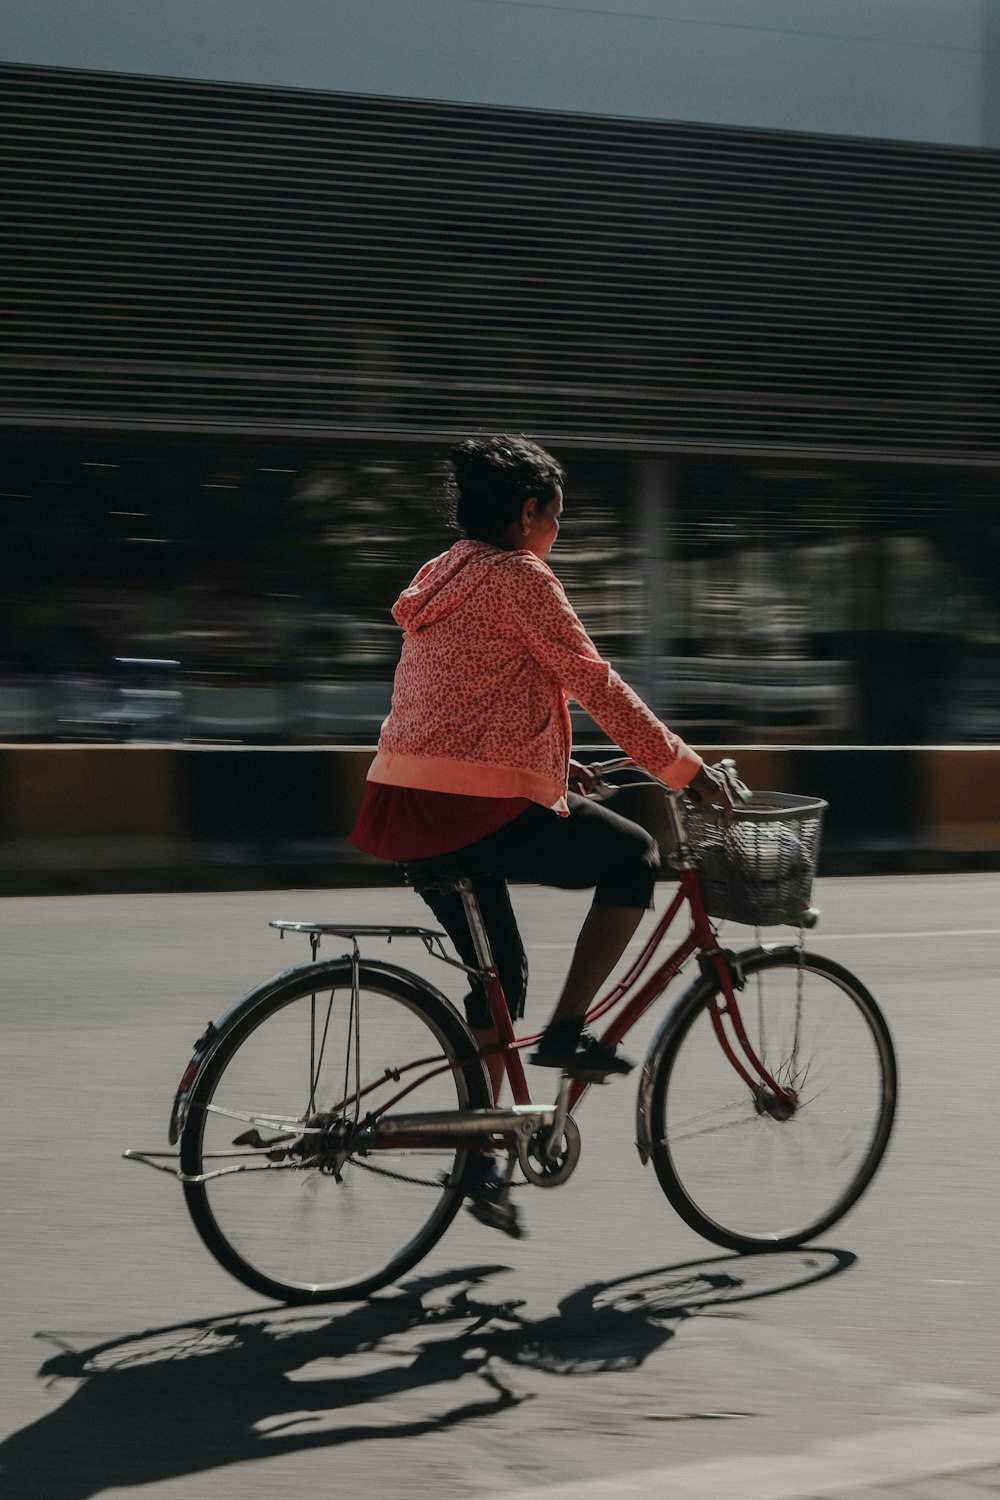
[(592, 847)]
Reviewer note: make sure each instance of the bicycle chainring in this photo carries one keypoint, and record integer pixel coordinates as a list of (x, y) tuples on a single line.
[(545, 1166)]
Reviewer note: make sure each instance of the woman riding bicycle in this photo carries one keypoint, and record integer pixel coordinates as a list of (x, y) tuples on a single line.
[(474, 760)]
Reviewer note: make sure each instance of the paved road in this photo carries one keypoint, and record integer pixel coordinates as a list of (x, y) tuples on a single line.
[(609, 1345)]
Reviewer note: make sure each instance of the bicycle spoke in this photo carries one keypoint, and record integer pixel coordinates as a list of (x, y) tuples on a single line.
[(316, 1064), (679, 1134)]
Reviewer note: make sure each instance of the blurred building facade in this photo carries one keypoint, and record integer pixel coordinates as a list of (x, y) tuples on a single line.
[(736, 263)]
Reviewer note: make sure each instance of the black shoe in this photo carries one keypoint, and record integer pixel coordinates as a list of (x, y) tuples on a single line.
[(590, 1061), (489, 1201)]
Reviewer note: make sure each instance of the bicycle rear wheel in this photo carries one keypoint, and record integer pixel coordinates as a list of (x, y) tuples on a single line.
[(740, 1166), (295, 1231)]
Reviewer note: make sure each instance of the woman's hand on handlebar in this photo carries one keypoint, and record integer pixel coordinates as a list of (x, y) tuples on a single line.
[(711, 789)]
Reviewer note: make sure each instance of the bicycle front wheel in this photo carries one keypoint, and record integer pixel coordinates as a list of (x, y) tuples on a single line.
[(742, 1166), (304, 1232)]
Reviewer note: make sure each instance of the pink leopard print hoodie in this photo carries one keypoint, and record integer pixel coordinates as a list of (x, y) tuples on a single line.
[(492, 649)]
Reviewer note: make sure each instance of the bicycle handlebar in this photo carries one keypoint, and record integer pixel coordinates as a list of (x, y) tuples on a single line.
[(602, 789)]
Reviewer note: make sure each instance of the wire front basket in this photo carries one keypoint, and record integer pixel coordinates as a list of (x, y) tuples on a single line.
[(758, 868)]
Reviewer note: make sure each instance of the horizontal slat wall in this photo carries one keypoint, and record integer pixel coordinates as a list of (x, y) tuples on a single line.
[(181, 255)]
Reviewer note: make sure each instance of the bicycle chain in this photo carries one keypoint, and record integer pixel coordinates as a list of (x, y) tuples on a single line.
[(437, 1182), (397, 1176)]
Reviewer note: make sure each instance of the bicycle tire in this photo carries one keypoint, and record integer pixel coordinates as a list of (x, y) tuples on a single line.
[(724, 1157), (300, 1235)]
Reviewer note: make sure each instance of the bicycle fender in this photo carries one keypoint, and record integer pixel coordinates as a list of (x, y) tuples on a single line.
[(208, 1042), (697, 992)]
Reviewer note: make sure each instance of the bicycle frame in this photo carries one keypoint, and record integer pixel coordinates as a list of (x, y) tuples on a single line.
[(632, 1004), (701, 938)]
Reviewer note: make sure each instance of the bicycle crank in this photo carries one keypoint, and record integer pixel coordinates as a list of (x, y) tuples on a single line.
[(545, 1162)]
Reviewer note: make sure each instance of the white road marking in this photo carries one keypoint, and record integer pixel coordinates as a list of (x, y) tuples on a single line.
[(919, 932), (895, 1456), (824, 937)]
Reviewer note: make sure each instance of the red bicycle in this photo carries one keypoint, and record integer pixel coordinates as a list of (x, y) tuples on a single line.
[(330, 1124)]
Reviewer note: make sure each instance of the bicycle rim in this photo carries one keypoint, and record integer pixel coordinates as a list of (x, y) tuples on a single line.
[(299, 1233), (737, 1167)]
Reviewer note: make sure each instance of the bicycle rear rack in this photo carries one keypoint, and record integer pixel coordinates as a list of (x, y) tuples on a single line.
[(432, 937)]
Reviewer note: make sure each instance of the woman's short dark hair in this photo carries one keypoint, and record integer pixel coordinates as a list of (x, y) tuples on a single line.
[(494, 476)]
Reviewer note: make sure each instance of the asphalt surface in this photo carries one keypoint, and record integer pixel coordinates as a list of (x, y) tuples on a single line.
[(610, 1353)]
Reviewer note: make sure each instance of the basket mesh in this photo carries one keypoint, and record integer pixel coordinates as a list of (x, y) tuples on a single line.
[(758, 868)]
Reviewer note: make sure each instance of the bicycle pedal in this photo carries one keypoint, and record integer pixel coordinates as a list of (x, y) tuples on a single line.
[(595, 1076), (496, 1215), (588, 1062)]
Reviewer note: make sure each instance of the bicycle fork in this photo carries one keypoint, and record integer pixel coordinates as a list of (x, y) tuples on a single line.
[(730, 975)]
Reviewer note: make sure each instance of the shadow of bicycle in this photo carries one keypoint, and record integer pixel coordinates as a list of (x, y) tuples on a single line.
[(200, 1396)]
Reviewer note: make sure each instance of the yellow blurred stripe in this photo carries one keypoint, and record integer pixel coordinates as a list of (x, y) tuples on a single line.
[(90, 789), (960, 796)]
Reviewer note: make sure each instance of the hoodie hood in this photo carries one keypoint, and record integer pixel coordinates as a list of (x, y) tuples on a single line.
[(444, 583)]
